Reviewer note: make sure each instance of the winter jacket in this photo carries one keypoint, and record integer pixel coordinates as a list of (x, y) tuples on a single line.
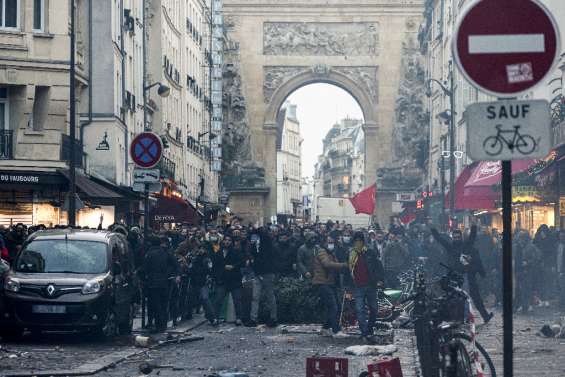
[(159, 265), (375, 267), (395, 256), (325, 268), (199, 269), (263, 257), (228, 278), (455, 250), (305, 259)]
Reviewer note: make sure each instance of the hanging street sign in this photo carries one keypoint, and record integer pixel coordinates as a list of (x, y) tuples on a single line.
[(146, 175), (506, 47), (147, 187), (508, 130), (146, 150)]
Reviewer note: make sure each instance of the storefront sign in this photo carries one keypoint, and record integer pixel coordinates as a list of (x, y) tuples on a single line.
[(27, 178)]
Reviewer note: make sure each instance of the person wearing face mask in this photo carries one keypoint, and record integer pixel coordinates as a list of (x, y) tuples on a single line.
[(367, 274), (228, 262), (325, 270), (305, 255), (464, 258)]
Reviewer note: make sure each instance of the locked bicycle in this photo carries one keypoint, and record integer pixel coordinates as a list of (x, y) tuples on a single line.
[(445, 335), (512, 139)]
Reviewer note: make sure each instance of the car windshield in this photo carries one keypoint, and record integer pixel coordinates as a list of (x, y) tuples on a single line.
[(63, 256)]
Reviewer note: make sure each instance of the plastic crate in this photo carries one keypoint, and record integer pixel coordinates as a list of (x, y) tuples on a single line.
[(386, 367), (327, 367)]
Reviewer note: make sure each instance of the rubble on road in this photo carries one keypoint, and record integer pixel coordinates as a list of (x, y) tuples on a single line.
[(555, 330), (371, 350)]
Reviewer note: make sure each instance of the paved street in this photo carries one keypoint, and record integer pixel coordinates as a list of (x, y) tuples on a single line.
[(264, 352)]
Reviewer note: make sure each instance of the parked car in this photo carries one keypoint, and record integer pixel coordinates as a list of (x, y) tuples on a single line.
[(71, 280)]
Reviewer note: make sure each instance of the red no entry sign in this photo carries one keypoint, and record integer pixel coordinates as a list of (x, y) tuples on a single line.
[(146, 149), (505, 47)]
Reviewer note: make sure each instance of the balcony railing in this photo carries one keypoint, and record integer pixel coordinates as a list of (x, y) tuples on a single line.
[(6, 145), (167, 168)]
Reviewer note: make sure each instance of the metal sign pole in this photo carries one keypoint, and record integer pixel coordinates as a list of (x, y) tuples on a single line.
[(507, 267)]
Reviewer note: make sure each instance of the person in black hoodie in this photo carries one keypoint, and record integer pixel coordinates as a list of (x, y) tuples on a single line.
[(159, 266), (464, 258), (199, 272), (228, 264), (263, 262), (547, 244)]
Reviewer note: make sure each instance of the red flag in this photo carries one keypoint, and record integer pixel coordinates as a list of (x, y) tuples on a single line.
[(364, 202)]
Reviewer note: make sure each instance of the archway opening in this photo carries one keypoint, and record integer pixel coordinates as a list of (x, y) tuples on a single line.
[(320, 149)]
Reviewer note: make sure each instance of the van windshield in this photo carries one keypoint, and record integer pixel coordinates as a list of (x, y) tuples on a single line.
[(63, 256)]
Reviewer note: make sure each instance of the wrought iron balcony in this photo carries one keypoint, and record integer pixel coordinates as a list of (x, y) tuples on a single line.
[(6, 145), (168, 168)]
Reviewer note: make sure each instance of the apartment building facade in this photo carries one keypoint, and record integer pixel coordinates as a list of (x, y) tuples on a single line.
[(179, 45), (34, 107), (289, 166), (340, 168)]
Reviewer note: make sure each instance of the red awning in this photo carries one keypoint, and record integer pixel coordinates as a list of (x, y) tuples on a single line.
[(474, 186), (171, 210)]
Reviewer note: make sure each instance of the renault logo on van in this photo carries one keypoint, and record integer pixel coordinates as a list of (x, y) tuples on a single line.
[(50, 290)]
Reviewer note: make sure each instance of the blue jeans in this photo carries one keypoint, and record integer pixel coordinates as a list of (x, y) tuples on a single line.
[(328, 297), (366, 296)]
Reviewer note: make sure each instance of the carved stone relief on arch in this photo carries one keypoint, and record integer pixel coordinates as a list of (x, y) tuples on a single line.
[(321, 38)]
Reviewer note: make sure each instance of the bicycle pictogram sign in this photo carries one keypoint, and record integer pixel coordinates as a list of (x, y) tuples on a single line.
[(146, 150), (512, 139)]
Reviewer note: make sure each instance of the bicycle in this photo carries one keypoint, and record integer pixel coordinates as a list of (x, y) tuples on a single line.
[(446, 348), (525, 144)]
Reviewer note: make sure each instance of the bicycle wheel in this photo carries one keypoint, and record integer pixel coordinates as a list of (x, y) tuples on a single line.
[(526, 144), (463, 367), (493, 146), (484, 358)]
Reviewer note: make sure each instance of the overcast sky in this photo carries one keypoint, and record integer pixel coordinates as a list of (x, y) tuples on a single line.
[(320, 106)]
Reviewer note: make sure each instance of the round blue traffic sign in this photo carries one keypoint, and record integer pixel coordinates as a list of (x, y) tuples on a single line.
[(146, 149)]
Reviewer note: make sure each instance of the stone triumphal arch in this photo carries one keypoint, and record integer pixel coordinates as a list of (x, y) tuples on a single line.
[(275, 47)]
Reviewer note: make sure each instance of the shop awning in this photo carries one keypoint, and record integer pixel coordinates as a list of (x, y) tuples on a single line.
[(474, 188), (172, 210), (90, 188)]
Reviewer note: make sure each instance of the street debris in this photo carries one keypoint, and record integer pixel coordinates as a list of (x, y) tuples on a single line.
[(371, 350), (555, 330), (143, 341), (147, 368)]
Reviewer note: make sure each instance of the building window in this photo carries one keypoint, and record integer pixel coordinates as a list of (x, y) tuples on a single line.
[(40, 108), (9, 14), (39, 15), (4, 109)]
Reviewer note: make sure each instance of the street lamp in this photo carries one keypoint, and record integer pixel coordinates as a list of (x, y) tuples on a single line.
[(164, 91), (450, 119)]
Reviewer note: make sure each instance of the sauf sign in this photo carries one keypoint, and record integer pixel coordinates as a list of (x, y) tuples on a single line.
[(508, 130)]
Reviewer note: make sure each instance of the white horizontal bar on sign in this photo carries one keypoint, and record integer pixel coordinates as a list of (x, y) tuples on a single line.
[(506, 43)]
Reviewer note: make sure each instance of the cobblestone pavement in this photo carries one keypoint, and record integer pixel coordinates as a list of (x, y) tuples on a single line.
[(268, 353), (535, 356)]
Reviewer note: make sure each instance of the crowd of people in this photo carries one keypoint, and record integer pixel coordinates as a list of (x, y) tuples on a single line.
[(196, 267)]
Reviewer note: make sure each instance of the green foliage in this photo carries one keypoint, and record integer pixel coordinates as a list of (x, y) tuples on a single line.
[(297, 302)]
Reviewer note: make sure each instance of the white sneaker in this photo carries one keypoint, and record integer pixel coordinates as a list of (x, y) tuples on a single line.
[(546, 304), (326, 333), (340, 335)]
